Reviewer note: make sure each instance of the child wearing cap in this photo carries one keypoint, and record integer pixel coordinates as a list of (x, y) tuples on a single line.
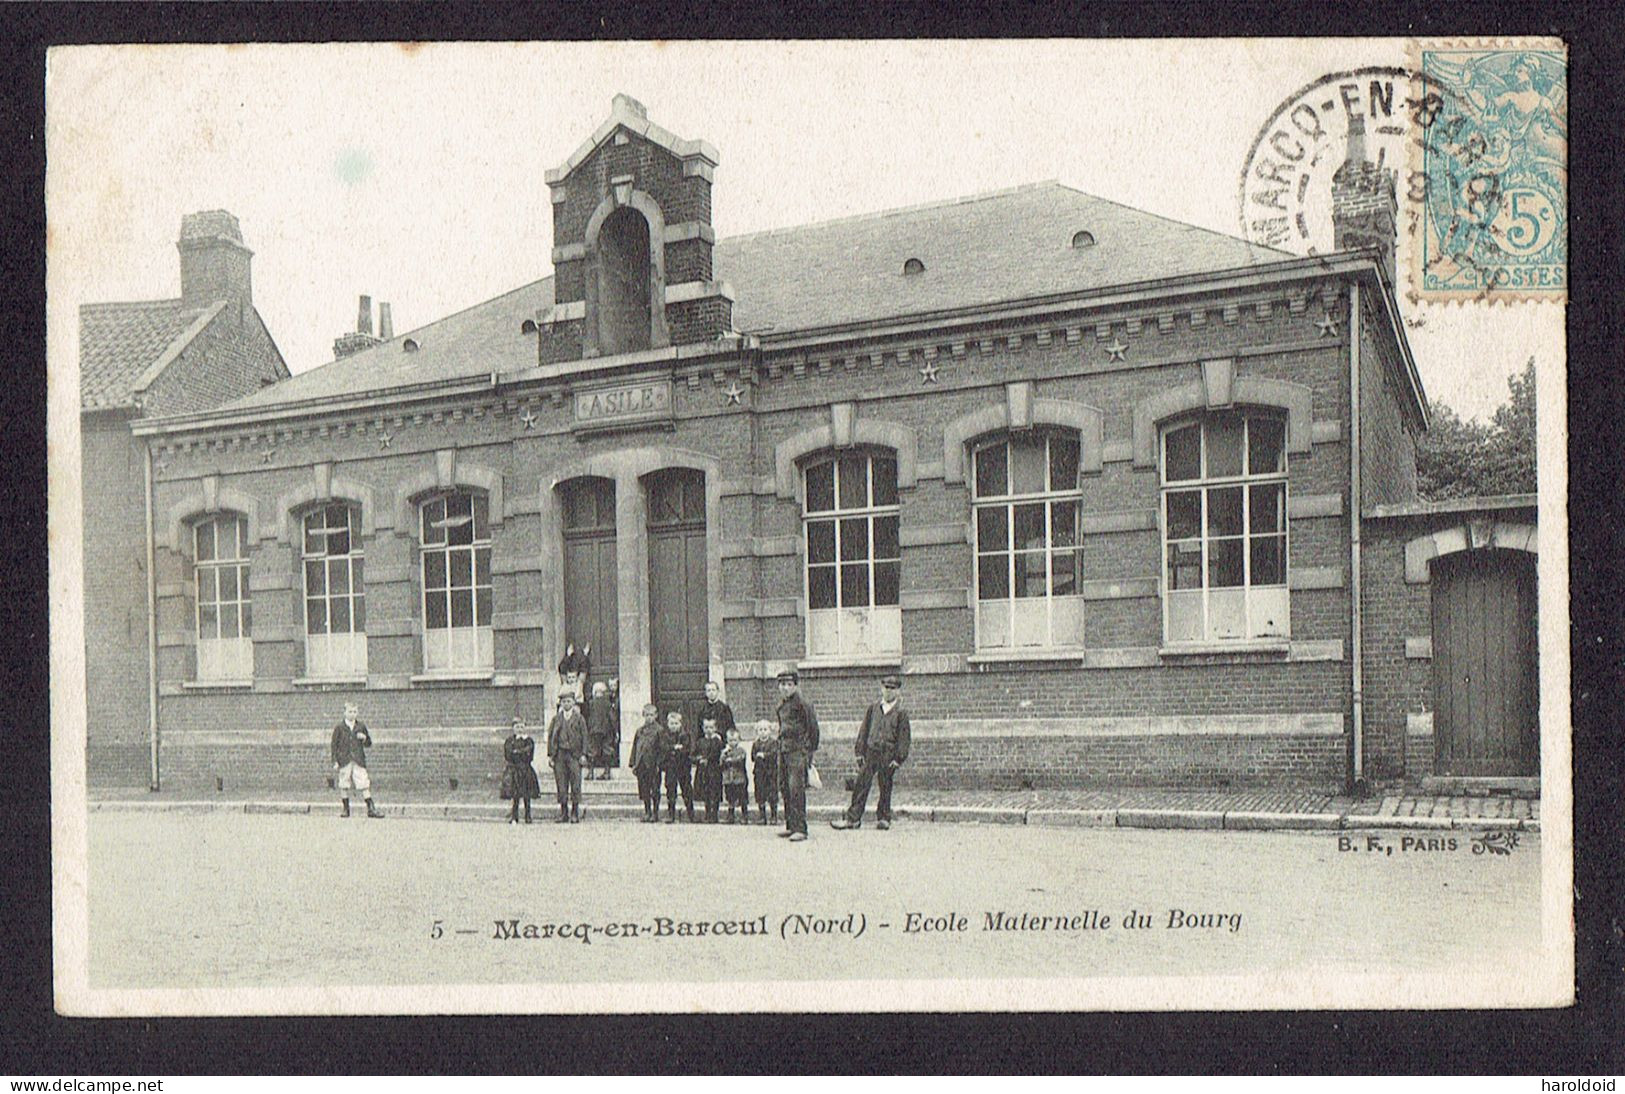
[(882, 747)]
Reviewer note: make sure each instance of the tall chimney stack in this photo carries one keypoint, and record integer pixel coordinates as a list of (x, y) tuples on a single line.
[(215, 265), (361, 338), (386, 325), (1365, 210), (363, 316)]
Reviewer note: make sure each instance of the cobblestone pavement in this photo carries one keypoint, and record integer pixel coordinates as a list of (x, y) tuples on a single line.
[(227, 900), (1264, 800)]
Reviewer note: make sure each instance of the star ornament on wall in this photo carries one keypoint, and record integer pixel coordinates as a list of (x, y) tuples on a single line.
[(268, 455), (529, 419), (384, 439), (1327, 325), (734, 393), (928, 372), (1116, 350)]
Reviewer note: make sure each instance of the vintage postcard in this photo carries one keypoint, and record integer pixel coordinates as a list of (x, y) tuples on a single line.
[(809, 526)]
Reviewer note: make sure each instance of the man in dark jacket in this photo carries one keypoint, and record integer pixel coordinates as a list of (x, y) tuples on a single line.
[(349, 747), (647, 760), (715, 708), (798, 740), (882, 747), (567, 747)]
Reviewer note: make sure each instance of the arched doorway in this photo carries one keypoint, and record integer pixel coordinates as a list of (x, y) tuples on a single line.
[(1486, 683)]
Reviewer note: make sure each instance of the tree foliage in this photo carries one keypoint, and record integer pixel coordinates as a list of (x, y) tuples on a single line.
[(1462, 458)]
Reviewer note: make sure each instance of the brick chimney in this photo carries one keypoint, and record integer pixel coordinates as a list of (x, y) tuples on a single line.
[(214, 262), (386, 325), (1365, 210), (361, 338)]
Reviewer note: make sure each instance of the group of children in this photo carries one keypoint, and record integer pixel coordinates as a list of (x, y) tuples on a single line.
[(706, 767)]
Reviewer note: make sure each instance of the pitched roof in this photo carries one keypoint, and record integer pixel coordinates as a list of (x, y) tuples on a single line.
[(120, 343), (987, 249)]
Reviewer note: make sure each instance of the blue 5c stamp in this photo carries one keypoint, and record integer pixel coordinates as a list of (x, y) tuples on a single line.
[(1489, 181)]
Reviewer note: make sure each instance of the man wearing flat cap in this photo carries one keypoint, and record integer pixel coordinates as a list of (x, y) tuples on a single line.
[(882, 747), (798, 740)]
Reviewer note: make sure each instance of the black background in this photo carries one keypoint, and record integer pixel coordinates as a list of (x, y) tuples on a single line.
[(1586, 1039)]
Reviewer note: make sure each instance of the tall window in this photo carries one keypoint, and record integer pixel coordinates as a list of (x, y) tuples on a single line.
[(1029, 562), (1224, 528), (225, 650), (456, 542), (853, 560), (335, 600)]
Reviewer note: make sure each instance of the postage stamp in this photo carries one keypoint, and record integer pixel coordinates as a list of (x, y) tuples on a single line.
[(1489, 164)]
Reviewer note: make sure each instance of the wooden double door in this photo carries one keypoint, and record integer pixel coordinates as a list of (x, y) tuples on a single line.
[(1486, 684), (679, 625)]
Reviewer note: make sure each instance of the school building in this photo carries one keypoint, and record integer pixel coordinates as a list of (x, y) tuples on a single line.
[(1125, 500)]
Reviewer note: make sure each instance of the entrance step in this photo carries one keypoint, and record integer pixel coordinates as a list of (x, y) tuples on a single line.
[(1509, 787)]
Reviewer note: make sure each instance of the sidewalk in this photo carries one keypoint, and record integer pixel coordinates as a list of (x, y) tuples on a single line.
[(1127, 807)]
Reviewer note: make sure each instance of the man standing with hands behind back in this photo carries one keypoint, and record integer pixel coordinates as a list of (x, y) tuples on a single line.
[(882, 747), (798, 740)]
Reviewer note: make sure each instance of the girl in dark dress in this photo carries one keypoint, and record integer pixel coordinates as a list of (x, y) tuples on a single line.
[(519, 782), (708, 770)]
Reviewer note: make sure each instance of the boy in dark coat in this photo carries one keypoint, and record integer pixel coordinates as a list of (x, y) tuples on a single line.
[(798, 741), (764, 761), (708, 770), (566, 748), (882, 747), (735, 781), (349, 748), (600, 730), (714, 707), (678, 748), (519, 781), (646, 761)]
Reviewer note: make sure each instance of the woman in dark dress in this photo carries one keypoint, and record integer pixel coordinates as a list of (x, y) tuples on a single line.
[(519, 781)]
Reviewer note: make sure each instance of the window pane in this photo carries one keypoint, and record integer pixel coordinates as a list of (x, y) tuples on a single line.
[(228, 583), (338, 543), (358, 582), (358, 609), (339, 516), (228, 621), (207, 590), (1030, 525), (434, 569), (462, 608), (993, 625), (1063, 524), (821, 541), (482, 607), (482, 525), (1185, 617), (1224, 563), (315, 540), (1182, 459), (1185, 514), (1265, 512), (340, 618), (1224, 511), (1027, 466), (854, 539), (855, 586), (482, 566), (434, 517), (852, 480), (993, 528), (886, 582), (1269, 560), (821, 587), (462, 569), (315, 579), (434, 611), (316, 616), (338, 576), (248, 618), (993, 576), (1223, 445), (886, 537), (1268, 613), (205, 541), (1226, 613), (1266, 445), (992, 474), (1031, 573), (1065, 569), (1184, 565), (208, 621), (1063, 463), (885, 480), (820, 488), (459, 529)]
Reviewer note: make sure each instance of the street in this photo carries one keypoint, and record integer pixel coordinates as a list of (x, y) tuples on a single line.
[(231, 900)]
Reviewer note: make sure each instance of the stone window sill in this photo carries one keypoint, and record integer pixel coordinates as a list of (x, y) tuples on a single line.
[(329, 681), (1200, 649), (1053, 653), (855, 661), (479, 676), (217, 685)]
